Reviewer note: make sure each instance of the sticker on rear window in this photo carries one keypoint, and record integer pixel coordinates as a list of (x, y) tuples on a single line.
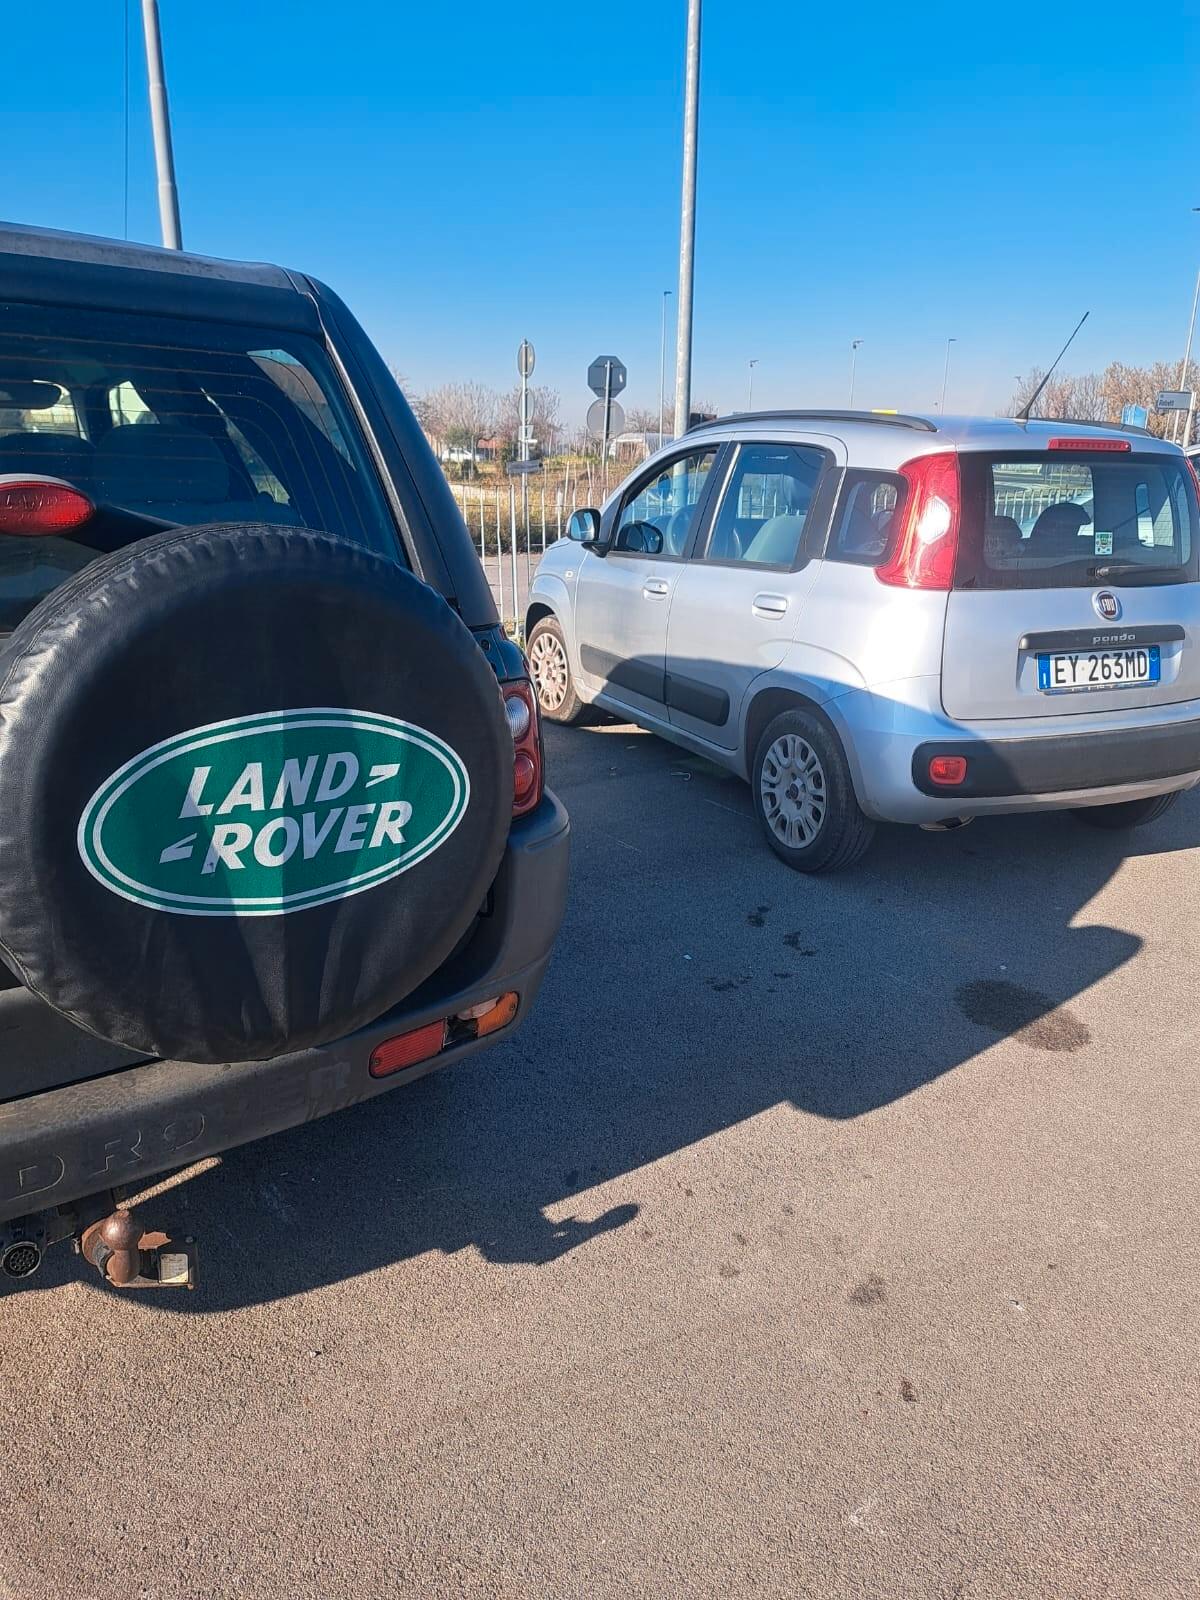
[(1103, 543), (262, 815)]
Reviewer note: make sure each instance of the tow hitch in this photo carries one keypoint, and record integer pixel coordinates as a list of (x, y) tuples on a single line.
[(129, 1259)]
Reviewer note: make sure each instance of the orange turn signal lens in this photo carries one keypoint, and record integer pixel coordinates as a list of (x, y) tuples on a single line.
[(498, 1016)]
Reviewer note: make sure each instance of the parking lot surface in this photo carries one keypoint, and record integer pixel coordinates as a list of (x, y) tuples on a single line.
[(830, 1237)]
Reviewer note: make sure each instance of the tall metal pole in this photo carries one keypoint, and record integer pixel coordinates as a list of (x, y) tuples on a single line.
[(160, 122), (854, 344), (1183, 369), (662, 369), (750, 385), (607, 416), (946, 374), (687, 225)]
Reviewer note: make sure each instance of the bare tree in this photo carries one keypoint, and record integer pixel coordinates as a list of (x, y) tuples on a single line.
[(1102, 397), (544, 407)]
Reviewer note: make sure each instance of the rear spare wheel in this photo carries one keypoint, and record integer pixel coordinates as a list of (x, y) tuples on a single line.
[(254, 786)]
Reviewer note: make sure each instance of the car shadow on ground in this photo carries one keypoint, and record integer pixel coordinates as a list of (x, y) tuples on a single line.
[(697, 983)]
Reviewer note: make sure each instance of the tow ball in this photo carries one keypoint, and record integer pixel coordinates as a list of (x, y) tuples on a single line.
[(130, 1259)]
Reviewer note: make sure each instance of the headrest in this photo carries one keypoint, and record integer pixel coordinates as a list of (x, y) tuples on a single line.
[(58, 455), (148, 464)]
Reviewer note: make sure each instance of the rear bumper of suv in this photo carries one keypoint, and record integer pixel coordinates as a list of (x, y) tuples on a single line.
[(1003, 768), (121, 1129), (891, 734)]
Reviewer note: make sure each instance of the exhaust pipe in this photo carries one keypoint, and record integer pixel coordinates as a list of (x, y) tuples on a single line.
[(946, 824), (21, 1259)]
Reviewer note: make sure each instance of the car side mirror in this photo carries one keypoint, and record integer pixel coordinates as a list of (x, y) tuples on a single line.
[(583, 526)]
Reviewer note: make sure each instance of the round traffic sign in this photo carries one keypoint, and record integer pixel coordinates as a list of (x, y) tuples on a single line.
[(525, 359), (595, 419)]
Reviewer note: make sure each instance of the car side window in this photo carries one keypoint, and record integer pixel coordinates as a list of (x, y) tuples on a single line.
[(766, 505), (866, 517), (656, 516)]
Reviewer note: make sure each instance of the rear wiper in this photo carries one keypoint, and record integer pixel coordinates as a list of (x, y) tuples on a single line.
[(1119, 569)]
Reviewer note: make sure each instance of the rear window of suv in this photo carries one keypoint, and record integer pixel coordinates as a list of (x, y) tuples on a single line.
[(235, 425), (1069, 520)]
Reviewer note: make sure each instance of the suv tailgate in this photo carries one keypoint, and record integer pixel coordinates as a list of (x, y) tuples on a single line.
[(1087, 557)]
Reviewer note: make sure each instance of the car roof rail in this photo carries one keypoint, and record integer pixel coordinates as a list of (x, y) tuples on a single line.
[(889, 419), (1090, 422)]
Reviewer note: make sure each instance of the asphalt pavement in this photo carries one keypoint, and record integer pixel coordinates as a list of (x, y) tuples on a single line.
[(813, 1237)]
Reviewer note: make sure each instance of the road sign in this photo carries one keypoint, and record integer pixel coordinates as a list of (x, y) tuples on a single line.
[(517, 469), (1134, 416), (525, 359), (595, 419), (1173, 400), (616, 375)]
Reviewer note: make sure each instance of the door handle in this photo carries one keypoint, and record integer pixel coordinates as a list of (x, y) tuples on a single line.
[(769, 605), (655, 588)]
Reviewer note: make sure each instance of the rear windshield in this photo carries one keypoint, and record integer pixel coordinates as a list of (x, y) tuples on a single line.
[(237, 426), (1070, 520)]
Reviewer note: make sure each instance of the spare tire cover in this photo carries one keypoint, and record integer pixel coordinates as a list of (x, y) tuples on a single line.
[(255, 784)]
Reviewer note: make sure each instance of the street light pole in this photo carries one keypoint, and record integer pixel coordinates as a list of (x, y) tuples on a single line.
[(160, 122), (946, 375), (1186, 362), (662, 369), (687, 224), (1183, 370), (750, 386), (854, 344)]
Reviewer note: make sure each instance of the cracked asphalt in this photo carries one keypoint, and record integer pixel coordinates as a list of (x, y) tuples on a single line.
[(824, 1238)]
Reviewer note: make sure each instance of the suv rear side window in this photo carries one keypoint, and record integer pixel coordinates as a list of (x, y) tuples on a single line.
[(231, 428), (1072, 520), (866, 517)]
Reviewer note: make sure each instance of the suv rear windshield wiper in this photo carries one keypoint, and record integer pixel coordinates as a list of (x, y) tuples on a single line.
[(1119, 569)]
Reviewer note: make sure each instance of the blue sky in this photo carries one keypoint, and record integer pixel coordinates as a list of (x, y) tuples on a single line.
[(469, 174)]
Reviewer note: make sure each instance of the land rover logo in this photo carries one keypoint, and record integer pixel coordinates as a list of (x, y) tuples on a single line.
[(261, 815), (1107, 605)]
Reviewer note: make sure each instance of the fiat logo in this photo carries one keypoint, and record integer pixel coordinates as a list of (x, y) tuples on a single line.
[(1108, 607)]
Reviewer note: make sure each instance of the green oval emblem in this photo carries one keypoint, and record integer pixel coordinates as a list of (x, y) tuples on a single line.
[(261, 815)]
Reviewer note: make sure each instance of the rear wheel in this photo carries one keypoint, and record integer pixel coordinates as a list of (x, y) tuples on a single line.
[(804, 796), (551, 673), (1127, 813)]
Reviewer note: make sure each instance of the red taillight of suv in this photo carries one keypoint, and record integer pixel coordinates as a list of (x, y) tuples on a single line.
[(38, 508), (926, 546), (520, 708)]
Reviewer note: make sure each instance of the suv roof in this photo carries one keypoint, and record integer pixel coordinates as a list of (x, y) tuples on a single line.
[(874, 430), (54, 244)]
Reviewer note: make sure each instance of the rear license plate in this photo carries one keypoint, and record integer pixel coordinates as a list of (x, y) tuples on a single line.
[(1063, 672)]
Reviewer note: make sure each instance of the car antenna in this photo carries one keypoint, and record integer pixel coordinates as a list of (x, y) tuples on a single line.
[(1023, 414)]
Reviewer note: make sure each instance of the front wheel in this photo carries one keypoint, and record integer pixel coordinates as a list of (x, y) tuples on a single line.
[(551, 673), (804, 796), (1127, 813)]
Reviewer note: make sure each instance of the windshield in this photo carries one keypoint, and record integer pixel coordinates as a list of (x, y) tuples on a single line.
[(230, 428), (1073, 519)]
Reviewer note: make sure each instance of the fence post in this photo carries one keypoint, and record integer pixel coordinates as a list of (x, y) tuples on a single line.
[(482, 537), (543, 516), (558, 505), (512, 517), (499, 562)]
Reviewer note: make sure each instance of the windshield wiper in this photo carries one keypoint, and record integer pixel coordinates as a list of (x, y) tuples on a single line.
[(1119, 569)]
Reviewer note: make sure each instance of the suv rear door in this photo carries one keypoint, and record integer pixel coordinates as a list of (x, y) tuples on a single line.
[(1075, 589), (739, 599)]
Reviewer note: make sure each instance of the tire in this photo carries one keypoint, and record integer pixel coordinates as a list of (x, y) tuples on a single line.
[(1127, 813), (550, 670), (798, 748), (255, 783)]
